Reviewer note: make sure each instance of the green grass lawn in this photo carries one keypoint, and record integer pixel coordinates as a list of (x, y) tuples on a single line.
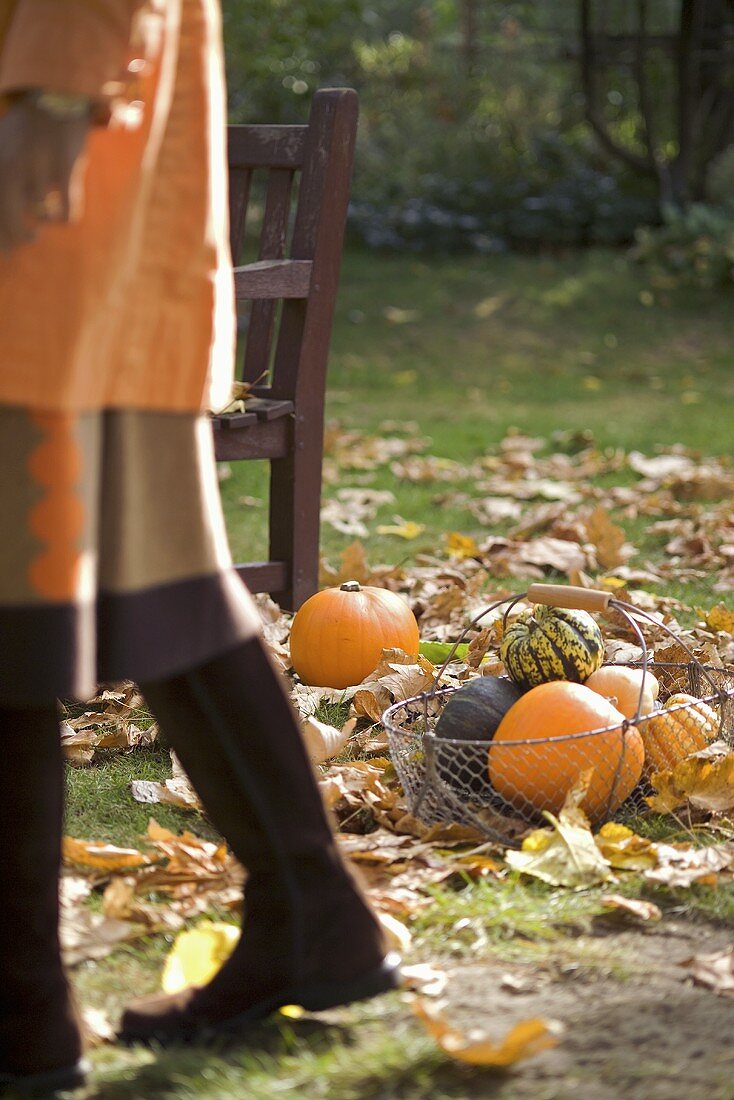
[(463, 349), (466, 348)]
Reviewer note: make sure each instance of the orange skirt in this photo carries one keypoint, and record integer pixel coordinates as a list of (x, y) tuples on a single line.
[(114, 561)]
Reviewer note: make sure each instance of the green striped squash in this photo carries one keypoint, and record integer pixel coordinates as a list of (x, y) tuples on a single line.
[(552, 643)]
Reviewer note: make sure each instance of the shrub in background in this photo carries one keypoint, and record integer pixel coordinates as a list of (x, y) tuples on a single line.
[(693, 247)]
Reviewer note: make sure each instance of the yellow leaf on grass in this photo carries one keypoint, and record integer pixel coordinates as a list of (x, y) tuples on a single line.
[(525, 1039), (402, 528), (720, 618), (197, 954), (624, 849), (461, 546)]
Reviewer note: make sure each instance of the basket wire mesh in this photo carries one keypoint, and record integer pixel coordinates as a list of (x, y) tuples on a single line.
[(501, 788)]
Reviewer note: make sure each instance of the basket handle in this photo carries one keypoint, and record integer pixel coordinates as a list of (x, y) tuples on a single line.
[(569, 596)]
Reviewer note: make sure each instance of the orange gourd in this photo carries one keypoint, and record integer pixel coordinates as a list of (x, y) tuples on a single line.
[(622, 686), (338, 635), (538, 775), (684, 726)]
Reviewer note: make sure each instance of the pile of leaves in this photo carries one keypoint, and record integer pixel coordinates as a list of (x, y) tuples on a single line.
[(556, 525)]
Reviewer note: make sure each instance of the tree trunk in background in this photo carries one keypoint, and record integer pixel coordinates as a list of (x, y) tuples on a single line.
[(469, 26), (701, 98)]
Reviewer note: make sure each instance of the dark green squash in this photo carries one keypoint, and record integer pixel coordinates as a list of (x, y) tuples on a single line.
[(472, 714), (474, 711)]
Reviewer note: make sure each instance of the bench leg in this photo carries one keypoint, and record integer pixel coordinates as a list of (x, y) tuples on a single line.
[(295, 505)]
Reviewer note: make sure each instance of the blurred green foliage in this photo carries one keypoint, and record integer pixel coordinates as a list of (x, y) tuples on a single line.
[(472, 133), (693, 247)]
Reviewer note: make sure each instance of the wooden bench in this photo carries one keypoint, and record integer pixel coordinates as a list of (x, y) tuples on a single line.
[(308, 171)]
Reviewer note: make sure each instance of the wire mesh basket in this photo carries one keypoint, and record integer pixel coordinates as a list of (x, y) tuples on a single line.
[(502, 787)]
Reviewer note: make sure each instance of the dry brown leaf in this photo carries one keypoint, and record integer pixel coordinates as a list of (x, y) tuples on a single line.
[(525, 1039), (395, 932), (121, 901), (424, 978), (557, 554), (635, 907), (661, 467), (680, 867), (323, 741), (609, 539), (97, 1027), (493, 510), (705, 779), (397, 677), (171, 792), (381, 846), (350, 509), (716, 971), (307, 699), (428, 468), (353, 566), (87, 935), (706, 481), (102, 857), (354, 781)]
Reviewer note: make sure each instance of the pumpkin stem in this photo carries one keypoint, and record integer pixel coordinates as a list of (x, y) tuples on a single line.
[(350, 586)]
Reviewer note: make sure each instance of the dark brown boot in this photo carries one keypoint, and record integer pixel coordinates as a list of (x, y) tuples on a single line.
[(308, 935), (40, 1042)]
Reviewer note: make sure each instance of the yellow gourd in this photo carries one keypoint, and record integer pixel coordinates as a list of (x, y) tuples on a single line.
[(685, 725)]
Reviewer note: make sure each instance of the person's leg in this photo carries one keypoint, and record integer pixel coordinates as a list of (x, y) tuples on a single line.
[(40, 1043), (308, 936)]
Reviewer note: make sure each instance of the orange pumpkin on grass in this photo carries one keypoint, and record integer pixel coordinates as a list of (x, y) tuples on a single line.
[(338, 635), (537, 775)]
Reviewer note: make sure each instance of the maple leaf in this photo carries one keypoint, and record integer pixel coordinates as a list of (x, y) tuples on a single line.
[(397, 677), (609, 539), (719, 618), (705, 779)]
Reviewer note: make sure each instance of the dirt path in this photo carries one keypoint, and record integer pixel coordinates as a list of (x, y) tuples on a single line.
[(635, 1025)]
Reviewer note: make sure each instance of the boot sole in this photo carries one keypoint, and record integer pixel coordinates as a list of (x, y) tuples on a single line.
[(46, 1084), (312, 998)]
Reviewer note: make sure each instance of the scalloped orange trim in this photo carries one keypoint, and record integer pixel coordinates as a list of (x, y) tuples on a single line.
[(57, 520)]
